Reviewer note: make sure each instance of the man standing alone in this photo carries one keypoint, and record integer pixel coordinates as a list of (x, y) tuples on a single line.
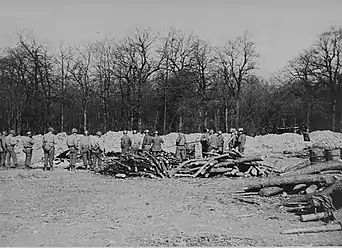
[(11, 142), (28, 148), (49, 142), (85, 144), (72, 145)]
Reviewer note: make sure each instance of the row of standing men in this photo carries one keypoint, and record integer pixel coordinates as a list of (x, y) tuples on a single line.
[(92, 149)]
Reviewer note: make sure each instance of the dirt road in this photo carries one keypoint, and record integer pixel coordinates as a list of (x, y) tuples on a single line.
[(81, 208)]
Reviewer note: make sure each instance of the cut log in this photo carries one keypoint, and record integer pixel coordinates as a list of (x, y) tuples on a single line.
[(248, 171), (317, 167), (250, 201), (182, 175), (313, 217), (326, 228), (220, 170), (249, 159), (297, 166), (206, 165), (179, 167), (280, 181), (311, 189), (239, 174), (270, 191), (254, 172), (299, 187)]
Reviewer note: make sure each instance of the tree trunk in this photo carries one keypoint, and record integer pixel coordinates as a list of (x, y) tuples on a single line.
[(226, 118), (156, 122), (333, 114), (165, 110), (316, 167), (180, 124), (237, 112), (281, 181), (85, 121)]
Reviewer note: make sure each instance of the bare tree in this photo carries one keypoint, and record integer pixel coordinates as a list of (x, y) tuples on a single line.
[(300, 69), (80, 76), (237, 61), (326, 63), (136, 61)]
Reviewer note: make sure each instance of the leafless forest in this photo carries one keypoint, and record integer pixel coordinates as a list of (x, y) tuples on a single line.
[(172, 82)]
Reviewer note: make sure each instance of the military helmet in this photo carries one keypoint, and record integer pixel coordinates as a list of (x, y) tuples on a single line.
[(12, 132), (98, 133), (74, 130)]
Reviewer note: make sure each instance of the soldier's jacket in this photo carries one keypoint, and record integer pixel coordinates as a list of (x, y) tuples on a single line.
[(85, 142), (156, 143), (213, 141), (205, 138), (72, 141), (10, 141), (147, 140), (50, 138), (242, 140), (136, 141), (220, 140), (27, 142), (181, 140), (2, 144), (126, 141), (97, 144)]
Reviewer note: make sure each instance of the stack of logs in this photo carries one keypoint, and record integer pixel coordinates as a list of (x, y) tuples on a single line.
[(303, 178), (143, 164), (230, 164)]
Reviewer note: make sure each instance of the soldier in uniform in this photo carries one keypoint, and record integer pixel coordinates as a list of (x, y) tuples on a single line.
[(28, 143), (126, 143), (97, 148), (157, 141), (49, 142), (72, 144), (136, 142), (3, 149), (181, 146), (220, 142), (147, 141), (85, 148), (11, 142)]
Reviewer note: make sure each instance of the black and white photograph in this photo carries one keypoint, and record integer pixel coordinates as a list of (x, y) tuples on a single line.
[(170, 123)]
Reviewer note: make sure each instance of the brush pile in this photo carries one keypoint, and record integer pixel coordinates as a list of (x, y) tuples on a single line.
[(230, 164), (143, 164)]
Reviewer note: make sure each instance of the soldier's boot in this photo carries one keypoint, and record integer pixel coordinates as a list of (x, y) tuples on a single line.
[(45, 168)]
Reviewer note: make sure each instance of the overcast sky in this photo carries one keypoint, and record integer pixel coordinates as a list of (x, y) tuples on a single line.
[(280, 28)]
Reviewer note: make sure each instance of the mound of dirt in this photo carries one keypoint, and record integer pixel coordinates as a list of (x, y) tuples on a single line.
[(265, 144)]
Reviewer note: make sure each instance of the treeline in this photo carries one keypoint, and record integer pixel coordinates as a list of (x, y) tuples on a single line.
[(168, 83)]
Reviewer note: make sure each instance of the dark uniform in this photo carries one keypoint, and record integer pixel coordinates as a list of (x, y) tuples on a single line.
[(205, 143), (147, 142), (126, 144)]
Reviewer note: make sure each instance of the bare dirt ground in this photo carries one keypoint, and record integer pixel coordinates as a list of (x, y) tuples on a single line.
[(81, 208)]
